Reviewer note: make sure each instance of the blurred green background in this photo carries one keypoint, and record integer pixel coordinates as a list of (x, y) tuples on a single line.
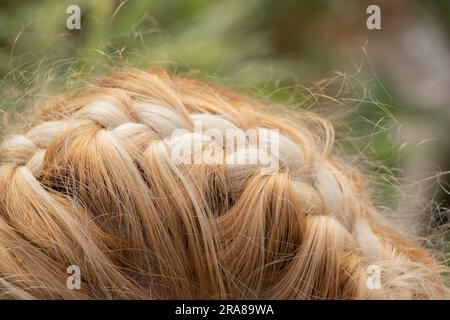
[(386, 90)]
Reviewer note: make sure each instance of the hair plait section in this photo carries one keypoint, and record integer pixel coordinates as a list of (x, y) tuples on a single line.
[(94, 182)]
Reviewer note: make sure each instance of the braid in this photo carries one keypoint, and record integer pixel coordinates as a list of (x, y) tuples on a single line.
[(94, 183)]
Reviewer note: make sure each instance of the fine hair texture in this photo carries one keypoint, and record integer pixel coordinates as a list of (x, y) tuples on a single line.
[(90, 182)]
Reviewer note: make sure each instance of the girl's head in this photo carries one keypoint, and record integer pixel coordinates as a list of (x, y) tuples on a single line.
[(155, 187)]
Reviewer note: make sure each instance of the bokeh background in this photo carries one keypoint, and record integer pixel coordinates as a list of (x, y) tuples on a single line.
[(387, 91)]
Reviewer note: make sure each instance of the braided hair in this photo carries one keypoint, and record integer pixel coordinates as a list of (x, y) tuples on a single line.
[(92, 181)]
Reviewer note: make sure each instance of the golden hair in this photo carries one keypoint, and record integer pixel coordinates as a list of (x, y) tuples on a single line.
[(91, 182)]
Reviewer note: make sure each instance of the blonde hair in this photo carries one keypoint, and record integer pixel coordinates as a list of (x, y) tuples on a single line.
[(91, 182)]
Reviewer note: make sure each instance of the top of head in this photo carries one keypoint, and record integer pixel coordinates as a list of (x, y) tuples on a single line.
[(178, 189)]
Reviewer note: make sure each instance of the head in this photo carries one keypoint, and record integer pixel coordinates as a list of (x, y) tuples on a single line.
[(162, 187)]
